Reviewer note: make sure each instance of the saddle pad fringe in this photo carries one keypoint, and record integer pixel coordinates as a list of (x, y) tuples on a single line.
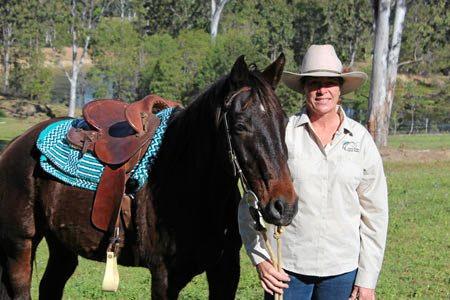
[(69, 165)]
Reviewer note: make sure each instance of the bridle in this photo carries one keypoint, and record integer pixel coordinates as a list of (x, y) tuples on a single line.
[(249, 196)]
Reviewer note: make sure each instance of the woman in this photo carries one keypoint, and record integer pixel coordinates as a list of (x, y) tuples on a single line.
[(334, 247)]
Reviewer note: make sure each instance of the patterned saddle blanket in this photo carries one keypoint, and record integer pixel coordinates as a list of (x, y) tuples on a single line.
[(71, 166)]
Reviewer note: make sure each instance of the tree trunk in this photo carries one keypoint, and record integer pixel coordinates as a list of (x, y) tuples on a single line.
[(73, 94), (394, 53), (7, 36), (87, 20), (216, 11), (122, 10), (353, 48), (411, 130), (378, 108)]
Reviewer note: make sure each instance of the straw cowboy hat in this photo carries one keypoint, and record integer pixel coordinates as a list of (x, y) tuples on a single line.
[(322, 61)]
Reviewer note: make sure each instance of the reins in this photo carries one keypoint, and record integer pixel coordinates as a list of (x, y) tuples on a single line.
[(250, 197)]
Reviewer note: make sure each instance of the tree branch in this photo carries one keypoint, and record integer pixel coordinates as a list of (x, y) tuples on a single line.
[(413, 61)]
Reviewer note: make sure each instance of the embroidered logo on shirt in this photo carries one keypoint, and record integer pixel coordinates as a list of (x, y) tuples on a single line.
[(350, 147)]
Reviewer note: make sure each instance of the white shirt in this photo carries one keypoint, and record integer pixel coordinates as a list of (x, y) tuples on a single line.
[(342, 216)]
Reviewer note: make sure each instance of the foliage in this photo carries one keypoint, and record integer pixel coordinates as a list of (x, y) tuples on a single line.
[(36, 81), (418, 99), (164, 47), (310, 26), (425, 45), (350, 28), (116, 56), (172, 16)]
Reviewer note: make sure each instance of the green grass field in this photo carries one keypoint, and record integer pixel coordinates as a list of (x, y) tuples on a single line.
[(12, 127), (416, 262), (420, 141)]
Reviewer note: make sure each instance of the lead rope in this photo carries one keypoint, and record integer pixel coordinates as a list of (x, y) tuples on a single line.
[(277, 262), (261, 228)]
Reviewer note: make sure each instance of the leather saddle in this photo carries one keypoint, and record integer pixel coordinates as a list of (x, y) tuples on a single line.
[(118, 134)]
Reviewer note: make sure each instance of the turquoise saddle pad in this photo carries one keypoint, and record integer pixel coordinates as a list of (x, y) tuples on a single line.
[(69, 165)]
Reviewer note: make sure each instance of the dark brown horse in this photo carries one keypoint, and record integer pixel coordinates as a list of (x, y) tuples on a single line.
[(184, 221)]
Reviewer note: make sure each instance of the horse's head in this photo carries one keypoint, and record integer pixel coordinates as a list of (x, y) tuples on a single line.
[(256, 125)]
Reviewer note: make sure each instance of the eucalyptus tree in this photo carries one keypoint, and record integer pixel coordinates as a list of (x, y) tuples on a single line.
[(12, 17), (349, 28), (426, 38), (216, 11), (377, 109), (173, 16), (84, 17), (384, 70), (311, 24), (394, 53), (116, 47)]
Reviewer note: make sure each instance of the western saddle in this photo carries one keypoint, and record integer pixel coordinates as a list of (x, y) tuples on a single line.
[(118, 134)]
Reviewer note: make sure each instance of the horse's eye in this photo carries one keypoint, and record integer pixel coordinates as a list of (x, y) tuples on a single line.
[(239, 127)]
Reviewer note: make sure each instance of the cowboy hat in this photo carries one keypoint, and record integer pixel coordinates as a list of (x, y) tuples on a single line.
[(322, 61)]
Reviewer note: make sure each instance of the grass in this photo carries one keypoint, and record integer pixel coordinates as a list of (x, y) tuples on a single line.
[(12, 127), (420, 141), (416, 262)]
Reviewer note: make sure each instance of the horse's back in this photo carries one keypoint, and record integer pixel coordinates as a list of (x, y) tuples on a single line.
[(22, 149)]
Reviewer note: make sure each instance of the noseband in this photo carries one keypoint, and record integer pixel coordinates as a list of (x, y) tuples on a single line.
[(249, 196)]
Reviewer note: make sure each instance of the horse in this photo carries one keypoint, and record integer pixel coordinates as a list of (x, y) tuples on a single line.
[(184, 220)]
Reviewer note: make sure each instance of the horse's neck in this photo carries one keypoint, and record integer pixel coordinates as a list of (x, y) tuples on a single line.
[(193, 146)]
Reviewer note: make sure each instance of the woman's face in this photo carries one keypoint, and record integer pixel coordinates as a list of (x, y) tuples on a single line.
[(322, 95)]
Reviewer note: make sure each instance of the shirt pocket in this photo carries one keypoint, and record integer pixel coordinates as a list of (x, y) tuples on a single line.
[(305, 169), (349, 171)]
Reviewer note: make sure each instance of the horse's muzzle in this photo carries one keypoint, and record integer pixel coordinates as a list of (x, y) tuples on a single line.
[(279, 212)]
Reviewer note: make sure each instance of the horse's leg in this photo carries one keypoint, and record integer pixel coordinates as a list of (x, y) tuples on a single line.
[(223, 277), (159, 282), (61, 265), (167, 283), (16, 265)]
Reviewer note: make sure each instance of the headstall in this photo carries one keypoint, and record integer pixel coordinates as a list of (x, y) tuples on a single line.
[(249, 196)]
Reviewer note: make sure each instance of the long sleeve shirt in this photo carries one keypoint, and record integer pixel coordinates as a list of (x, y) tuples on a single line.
[(342, 220)]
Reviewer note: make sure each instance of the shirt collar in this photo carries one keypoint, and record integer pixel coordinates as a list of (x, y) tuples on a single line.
[(344, 127)]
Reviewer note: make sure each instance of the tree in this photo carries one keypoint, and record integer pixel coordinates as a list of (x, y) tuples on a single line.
[(378, 110), (116, 46), (12, 17), (394, 52), (216, 10), (425, 46), (311, 26), (384, 71), (172, 16), (350, 25), (85, 15)]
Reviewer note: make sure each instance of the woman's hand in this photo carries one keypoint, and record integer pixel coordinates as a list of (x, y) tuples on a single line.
[(272, 280), (362, 293)]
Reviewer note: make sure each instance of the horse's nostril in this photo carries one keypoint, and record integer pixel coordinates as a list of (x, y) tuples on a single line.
[(279, 206)]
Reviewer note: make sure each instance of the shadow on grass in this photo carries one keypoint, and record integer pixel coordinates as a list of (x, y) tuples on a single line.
[(3, 144)]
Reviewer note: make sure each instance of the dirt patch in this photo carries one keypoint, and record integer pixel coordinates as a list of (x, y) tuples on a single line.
[(404, 155), (21, 108), (64, 57)]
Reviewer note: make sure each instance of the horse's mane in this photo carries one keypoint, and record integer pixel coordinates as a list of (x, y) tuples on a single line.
[(204, 104), (193, 131)]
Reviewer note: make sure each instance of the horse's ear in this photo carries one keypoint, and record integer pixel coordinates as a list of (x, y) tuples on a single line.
[(272, 74), (239, 72)]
